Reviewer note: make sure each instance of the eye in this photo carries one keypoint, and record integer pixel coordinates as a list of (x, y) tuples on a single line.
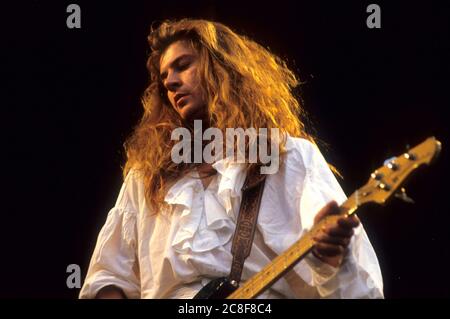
[(184, 65)]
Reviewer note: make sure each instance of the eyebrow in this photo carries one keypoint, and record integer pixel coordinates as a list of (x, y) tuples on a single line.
[(174, 62)]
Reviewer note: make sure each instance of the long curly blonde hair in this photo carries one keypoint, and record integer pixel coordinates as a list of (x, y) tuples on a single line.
[(246, 86)]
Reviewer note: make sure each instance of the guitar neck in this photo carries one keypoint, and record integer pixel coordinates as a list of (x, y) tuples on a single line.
[(382, 184), (284, 262)]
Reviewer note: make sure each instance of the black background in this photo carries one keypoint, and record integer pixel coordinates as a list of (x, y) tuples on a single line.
[(71, 96)]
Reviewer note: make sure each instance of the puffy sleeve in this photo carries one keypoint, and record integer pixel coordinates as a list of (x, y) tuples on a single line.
[(359, 276), (114, 260)]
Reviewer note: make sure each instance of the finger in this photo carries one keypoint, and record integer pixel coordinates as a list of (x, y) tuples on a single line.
[(338, 231), (331, 208), (349, 221), (335, 240), (329, 250)]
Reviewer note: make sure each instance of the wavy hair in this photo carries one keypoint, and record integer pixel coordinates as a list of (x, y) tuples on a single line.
[(245, 86)]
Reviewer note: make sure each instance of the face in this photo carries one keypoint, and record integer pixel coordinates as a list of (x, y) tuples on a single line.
[(178, 70)]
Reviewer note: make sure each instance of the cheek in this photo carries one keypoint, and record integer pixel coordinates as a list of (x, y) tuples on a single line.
[(192, 76), (197, 89)]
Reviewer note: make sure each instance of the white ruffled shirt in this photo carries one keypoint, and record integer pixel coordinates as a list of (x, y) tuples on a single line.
[(175, 252)]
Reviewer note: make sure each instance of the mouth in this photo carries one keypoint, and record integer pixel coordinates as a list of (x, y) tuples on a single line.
[(181, 100)]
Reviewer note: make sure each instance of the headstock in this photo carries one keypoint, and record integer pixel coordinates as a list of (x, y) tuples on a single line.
[(386, 180)]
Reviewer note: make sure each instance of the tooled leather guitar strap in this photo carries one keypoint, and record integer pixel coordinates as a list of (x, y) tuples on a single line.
[(252, 191)]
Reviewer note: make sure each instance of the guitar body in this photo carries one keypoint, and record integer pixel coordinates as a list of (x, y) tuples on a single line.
[(219, 288)]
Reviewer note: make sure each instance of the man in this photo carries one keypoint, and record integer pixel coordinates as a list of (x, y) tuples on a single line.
[(170, 230)]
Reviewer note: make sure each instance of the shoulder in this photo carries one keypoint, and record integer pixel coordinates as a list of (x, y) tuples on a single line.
[(132, 192), (295, 165), (302, 152), (305, 156)]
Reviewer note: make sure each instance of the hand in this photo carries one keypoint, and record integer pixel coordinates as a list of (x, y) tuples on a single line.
[(332, 241)]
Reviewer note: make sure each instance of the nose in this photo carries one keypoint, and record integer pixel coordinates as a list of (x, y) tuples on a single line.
[(172, 82)]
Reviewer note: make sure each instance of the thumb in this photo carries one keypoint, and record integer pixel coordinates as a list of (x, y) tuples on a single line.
[(331, 208)]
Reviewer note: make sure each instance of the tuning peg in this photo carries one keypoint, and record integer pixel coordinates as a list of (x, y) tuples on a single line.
[(390, 163), (389, 160), (403, 196)]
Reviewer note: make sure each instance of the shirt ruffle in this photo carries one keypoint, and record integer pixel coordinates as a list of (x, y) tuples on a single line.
[(200, 230)]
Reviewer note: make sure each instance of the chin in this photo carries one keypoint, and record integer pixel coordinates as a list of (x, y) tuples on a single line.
[(191, 112)]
